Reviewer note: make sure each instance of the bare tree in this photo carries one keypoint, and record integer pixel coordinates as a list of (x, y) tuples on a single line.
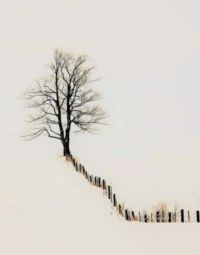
[(64, 101)]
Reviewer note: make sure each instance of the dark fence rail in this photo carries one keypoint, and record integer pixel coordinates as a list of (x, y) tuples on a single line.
[(160, 216)]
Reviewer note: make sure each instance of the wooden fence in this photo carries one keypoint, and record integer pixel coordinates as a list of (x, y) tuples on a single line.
[(159, 216)]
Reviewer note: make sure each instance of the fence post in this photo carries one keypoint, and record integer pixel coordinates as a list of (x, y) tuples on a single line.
[(182, 215), (126, 214), (157, 216), (83, 170), (99, 181), (80, 168), (109, 192), (114, 200), (145, 218), (133, 215), (198, 216), (104, 184), (169, 217), (120, 209)]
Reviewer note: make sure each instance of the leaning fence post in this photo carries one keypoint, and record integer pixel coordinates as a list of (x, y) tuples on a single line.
[(182, 215), (198, 216)]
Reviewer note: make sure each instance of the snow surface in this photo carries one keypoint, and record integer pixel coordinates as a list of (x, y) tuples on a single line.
[(46, 208), (150, 150)]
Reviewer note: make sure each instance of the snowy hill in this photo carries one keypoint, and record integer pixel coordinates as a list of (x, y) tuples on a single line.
[(46, 208)]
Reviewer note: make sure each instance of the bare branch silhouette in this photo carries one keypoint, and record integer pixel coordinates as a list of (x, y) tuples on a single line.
[(65, 101)]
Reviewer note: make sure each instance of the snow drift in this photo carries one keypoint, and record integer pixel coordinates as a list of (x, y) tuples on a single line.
[(46, 209)]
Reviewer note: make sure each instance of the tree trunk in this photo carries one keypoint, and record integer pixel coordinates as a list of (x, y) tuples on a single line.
[(67, 131), (66, 149)]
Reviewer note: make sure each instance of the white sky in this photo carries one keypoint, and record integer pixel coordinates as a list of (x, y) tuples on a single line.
[(148, 56)]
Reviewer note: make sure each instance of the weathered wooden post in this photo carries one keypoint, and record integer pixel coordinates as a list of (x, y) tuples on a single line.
[(169, 217), (114, 200), (145, 218), (157, 216), (83, 170), (99, 182), (126, 214), (109, 192), (120, 209), (198, 216), (104, 184), (182, 215), (88, 177), (133, 215)]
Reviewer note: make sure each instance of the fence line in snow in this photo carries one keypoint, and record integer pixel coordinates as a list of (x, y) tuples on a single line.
[(160, 216)]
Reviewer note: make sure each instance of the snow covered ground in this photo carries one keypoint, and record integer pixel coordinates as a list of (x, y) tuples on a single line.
[(46, 208), (149, 152)]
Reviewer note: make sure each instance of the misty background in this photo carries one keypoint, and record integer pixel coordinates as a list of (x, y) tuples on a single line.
[(147, 57)]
